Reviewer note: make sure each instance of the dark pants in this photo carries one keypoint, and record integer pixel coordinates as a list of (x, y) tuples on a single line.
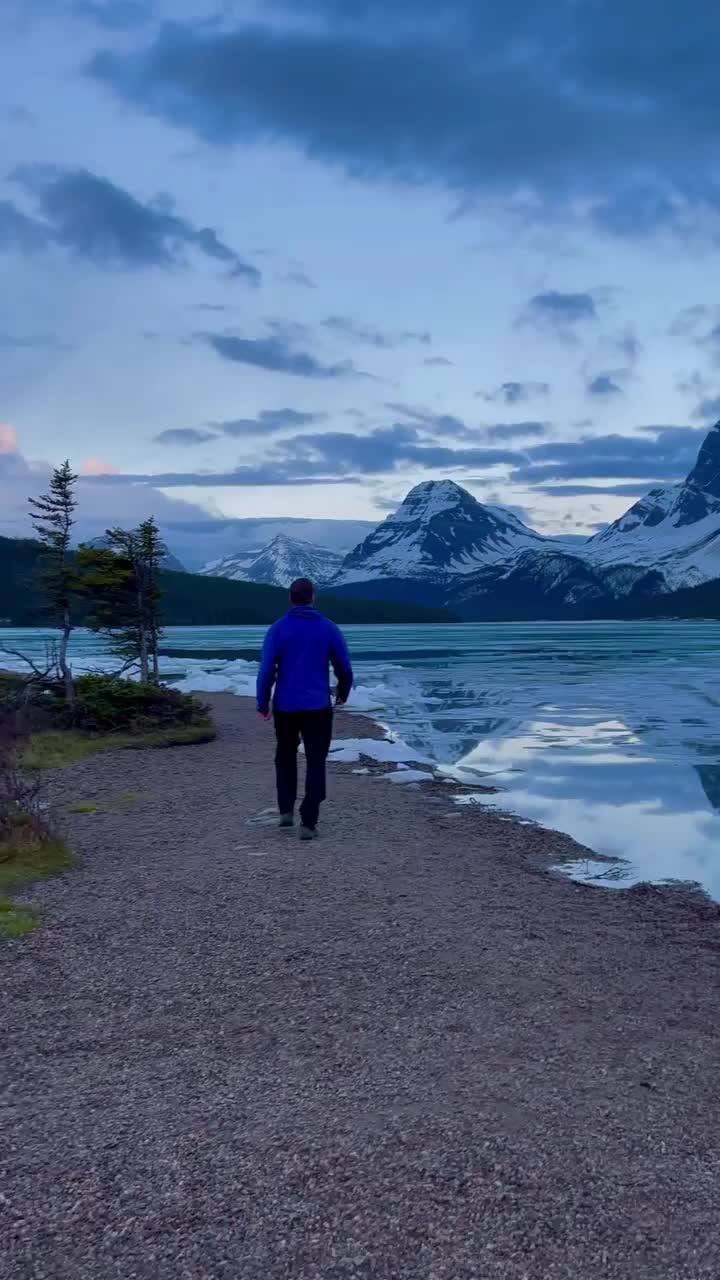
[(315, 729)]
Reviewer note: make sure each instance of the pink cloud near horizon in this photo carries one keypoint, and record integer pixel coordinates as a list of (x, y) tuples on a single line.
[(8, 438), (96, 467)]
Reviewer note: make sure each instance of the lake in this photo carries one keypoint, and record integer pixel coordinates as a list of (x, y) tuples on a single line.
[(609, 732)]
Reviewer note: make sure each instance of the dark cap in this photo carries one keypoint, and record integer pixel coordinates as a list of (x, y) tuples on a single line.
[(302, 591)]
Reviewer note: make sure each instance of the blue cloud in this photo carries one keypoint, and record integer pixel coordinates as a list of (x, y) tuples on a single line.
[(102, 223), (277, 354), (435, 424), (15, 113), (268, 422), (629, 346), (184, 436), (690, 318), (18, 231), (655, 453), (346, 328), (554, 468), (604, 385), (516, 430), (449, 94), (116, 15), (336, 456), (300, 278), (707, 410), (515, 392), (711, 342), (636, 490), (560, 312), (251, 476), (33, 342)]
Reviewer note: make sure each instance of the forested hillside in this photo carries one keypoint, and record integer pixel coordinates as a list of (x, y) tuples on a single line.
[(192, 600)]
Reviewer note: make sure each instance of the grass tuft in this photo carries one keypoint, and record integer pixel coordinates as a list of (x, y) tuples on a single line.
[(16, 920), (57, 748), (29, 856), (127, 800)]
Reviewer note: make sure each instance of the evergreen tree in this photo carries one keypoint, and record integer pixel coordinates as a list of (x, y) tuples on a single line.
[(109, 581), (152, 552), (53, 515), (122, 581)]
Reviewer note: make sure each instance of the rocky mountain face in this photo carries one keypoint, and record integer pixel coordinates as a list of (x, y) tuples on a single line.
[(439, 531), (549, 583), (483, 561), (675, 530), (279, 563)]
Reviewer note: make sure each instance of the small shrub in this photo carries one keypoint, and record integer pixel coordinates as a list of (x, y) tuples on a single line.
[(107, 704), (11, 688)]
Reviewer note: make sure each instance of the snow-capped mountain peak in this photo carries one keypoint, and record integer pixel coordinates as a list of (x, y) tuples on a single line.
[(703, 481), (279, 563), (440, 530), (675, 529), (433, 498)]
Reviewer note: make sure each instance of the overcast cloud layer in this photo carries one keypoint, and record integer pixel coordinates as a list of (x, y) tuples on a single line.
[(292, 259)]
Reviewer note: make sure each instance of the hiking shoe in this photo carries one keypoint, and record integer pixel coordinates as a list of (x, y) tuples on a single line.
[(286, 820), (308, 833)]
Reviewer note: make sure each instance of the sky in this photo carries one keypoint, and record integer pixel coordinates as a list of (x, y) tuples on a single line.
[(292, 258)]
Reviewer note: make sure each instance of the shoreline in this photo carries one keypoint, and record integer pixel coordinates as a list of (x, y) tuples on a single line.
[(402, 1050), (567, 849), (663, 834)]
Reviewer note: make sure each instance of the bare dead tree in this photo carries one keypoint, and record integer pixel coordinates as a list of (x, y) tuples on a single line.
[(20, 789), (40, 675)]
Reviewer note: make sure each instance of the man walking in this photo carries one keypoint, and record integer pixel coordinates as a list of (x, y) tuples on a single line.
[(296, 659)]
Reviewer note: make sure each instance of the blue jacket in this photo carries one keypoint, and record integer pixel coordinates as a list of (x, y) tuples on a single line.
[(296, 659)]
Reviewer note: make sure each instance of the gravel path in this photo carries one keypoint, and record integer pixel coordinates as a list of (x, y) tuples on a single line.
[(405, 1050)]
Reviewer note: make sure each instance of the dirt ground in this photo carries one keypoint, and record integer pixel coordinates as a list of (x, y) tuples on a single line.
[(405, 1050)]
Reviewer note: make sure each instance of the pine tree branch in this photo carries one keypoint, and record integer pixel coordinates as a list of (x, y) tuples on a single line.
[(39, 674)]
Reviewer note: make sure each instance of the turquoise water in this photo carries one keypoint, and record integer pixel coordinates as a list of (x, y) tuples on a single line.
[(607, 731)]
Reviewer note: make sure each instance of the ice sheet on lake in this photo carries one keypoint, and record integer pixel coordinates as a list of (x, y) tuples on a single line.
[(350, 750), (237, 676)]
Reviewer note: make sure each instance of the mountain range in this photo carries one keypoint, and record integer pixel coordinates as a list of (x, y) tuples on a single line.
[(482, 561), (282, 560)]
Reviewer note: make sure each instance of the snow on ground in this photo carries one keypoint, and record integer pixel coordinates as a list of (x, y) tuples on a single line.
[(235, 676), (349, 751)]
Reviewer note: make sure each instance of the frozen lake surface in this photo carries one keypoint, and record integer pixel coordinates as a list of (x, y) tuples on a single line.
[(609, 732)]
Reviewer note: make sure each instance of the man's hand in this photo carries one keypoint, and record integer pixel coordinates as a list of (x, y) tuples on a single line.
[(263, 715)]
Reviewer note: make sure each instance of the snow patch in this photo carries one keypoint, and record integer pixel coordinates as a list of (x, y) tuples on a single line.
[(410, 775), (350, 750)]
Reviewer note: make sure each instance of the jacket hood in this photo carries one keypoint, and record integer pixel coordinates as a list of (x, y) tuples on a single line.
[(303, 611)]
